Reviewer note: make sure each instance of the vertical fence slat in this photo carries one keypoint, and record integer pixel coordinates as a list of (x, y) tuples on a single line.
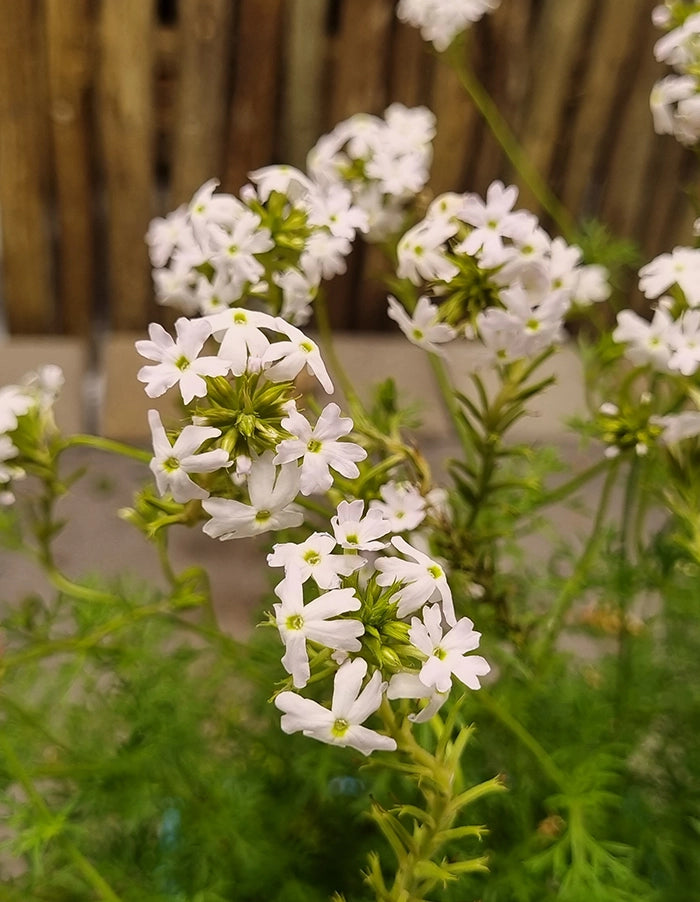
[(626, 191), (560, 36), (254, 107), (24, 203), (69, 42), (458, 127), (360, 50), (411, 67), (503, 36), (615, 41), (126, 120), (304, 60), (205, 52)]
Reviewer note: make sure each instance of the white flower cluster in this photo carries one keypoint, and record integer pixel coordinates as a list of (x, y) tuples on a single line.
[(384, 162), (275, 244), (30, 402), (244, 420), (288, 231), (357, 620), (670, 343), (675, 99), (494, 273), (440, 21)]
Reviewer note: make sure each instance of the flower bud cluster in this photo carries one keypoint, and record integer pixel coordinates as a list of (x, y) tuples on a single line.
[(26, 425), (245, 434), (348, 607), (675, 99), (490, 271)]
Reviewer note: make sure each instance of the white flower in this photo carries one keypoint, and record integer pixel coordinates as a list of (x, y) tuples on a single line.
[(421, 578), (447, 654), (239, 332), (440, 21), (665, 93), (678, 426), (647, 342), (178, 360), (164, 236), (8, 471), (358, 534), (318, 449), (271, 492), (680, 267), (423, 328), (293, 355), (684, 340), (206, 210), (314, 558), (493, 220), (350, 707), (172, 464), (334, 209), (284, 179), (410, 685), (298, 622), (421, 254), (15, 401), (402, 505), (298, 291)]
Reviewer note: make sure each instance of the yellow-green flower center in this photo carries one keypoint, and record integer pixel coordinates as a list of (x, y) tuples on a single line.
[(171, 464), (435, 571), (312, 557), (182, 362), (262, 516), (340, 727), (294, 622), (314, 446)]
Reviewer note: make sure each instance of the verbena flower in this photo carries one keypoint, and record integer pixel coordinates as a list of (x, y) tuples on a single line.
[(423, 328), (298, 622), (271, 491), (350, 707), (357, 533), (421, 578), (318, 449), (447, 652), (314, 558), (178, 360), (172, 463)]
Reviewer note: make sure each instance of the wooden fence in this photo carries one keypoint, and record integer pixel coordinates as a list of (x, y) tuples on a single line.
[(112, 111)]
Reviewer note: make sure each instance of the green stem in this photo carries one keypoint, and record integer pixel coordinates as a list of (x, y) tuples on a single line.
[(105, 444), (569, 592), (448, 396), (511, 146)]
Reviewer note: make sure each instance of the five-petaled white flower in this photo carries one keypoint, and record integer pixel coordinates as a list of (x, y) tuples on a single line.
[(447, 653), (422, 578), (172, 464), (314, 558), (298, 622), (402, 505), (350, 707), (178, 362), (293, 355), (356, 533), (318, 449), (423, 328), (239, 332), (271, 491)]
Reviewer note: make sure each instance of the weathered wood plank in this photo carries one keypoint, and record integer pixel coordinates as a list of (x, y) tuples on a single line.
[(559, 42), (629, 162), (304, 67), (360, 50), (616, 47), (69, 41), (24, 202), (252, 134), (204, 67), (126, 125)]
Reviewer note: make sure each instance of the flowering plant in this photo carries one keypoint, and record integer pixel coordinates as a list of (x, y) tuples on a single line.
[(385, 575)]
